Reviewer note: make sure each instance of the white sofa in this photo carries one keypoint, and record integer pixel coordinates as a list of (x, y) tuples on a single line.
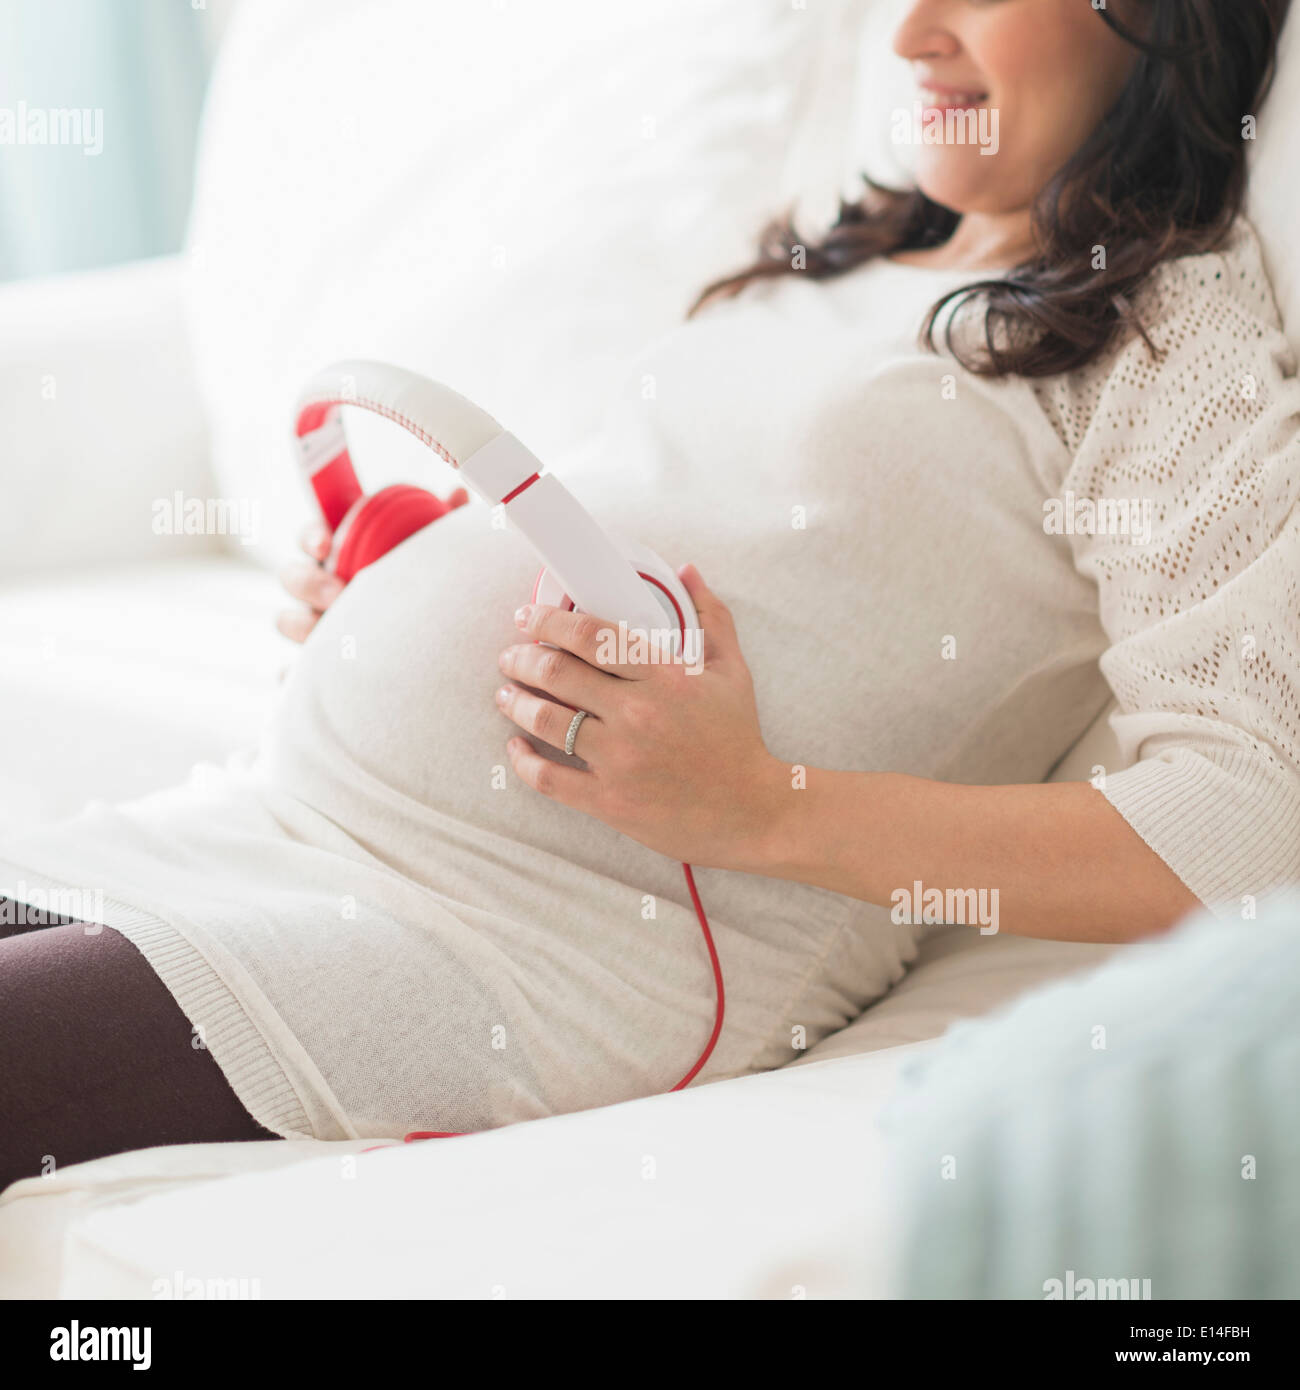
[(515, 199)]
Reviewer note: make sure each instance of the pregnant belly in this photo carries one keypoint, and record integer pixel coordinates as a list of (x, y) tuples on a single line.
[(387, 727), (387, 722)]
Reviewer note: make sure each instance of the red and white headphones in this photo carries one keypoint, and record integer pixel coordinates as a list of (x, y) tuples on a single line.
[(583, 567)]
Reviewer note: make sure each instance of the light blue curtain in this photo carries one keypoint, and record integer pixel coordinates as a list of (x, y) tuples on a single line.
[(134, 71)]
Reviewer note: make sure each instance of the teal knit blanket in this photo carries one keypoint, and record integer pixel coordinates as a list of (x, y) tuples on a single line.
[(1132, 1132)]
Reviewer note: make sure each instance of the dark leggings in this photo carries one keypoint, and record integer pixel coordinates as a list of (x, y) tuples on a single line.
[(96, 1056)]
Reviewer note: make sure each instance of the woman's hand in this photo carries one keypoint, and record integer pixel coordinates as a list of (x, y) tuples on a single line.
[(674, 754), (311, 584)]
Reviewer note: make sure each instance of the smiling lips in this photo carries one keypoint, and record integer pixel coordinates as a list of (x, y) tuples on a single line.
[(939, 97)]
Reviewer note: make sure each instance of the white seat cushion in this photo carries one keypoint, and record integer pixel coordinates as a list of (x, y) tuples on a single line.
[(119, 679), (958, 974), (769, 1185)]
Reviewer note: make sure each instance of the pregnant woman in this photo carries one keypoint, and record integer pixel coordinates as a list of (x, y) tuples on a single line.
[(996, 449)]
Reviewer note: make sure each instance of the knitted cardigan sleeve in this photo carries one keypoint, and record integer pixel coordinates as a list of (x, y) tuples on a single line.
[(1197, 570)]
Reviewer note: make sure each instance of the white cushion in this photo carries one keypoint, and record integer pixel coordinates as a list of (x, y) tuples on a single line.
[(1273, 203), (514, 199), (118, 680), (101, 418), (958, 974), (761, 1187)]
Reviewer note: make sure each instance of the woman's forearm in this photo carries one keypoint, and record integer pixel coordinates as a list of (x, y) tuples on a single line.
[(1062, 862), (675, 758)]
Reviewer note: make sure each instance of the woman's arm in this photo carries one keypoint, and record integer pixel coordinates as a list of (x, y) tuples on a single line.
[(676, 760), (1054, 860)]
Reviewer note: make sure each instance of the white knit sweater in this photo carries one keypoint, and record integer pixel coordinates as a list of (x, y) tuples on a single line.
[(376, 928), (1204, 618)]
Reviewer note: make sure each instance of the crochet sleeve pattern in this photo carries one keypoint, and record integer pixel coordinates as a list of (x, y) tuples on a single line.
[(1182, 504)]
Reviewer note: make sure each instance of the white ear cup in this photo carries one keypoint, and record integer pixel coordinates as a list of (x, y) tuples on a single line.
[(661, 582)]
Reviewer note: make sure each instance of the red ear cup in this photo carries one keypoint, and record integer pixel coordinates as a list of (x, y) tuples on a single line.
[(376, 524)]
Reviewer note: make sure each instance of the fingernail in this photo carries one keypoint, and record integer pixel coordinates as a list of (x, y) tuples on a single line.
[(503, 694), (522, 614)]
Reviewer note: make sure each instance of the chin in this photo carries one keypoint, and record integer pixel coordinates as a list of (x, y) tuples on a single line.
[(954, 184)]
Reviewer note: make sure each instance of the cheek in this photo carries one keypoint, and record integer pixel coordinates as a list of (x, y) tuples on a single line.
[(1051, 84), (1037, 97), (1056, 82)]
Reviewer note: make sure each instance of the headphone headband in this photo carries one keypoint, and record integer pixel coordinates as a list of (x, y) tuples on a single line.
[(453, 427), (494, 464)]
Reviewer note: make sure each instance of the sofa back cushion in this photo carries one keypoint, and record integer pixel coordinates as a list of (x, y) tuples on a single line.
[(514, 198)]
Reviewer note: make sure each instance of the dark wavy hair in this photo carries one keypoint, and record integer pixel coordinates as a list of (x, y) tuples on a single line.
[(1162, 175)]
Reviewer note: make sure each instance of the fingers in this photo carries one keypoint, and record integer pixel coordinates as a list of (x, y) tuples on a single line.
[(594, 640), (314, 538), (563, 677), (568, 785), (310, 584), (296, 623), (548, 720), (716, 622)]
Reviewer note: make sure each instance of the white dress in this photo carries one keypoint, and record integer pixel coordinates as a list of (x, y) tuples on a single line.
[(375, 927)]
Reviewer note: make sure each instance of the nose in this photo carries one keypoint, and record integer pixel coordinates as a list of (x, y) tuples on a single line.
[(922, 34)]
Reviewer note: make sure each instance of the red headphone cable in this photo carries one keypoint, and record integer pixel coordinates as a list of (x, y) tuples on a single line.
[(719, 1013)]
